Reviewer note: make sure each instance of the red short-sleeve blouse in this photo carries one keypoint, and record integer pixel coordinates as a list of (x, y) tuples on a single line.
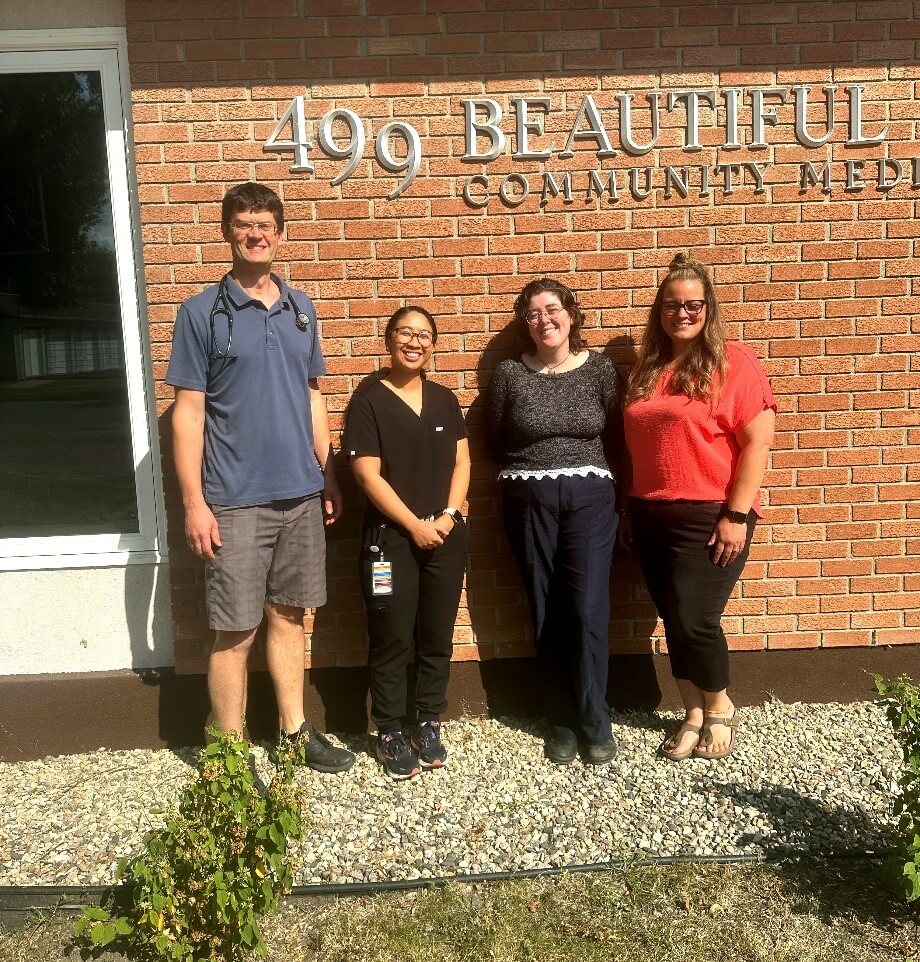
[(685, 449)]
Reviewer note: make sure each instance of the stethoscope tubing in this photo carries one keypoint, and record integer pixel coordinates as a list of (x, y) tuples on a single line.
[(222, 306)]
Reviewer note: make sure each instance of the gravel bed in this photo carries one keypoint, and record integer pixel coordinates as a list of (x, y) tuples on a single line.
[(810, 778)]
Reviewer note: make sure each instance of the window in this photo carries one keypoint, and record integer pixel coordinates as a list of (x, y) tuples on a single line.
[(77, 456)]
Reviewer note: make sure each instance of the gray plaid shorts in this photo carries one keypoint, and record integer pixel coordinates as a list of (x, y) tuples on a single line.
[(269, 552)]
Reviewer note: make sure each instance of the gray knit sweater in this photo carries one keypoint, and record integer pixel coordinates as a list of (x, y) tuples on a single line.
[(550, 421)]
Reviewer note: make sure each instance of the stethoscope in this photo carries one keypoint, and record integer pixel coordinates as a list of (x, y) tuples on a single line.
[(222, 307)]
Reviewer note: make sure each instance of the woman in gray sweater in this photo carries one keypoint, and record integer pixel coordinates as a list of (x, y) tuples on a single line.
[(550, 414)]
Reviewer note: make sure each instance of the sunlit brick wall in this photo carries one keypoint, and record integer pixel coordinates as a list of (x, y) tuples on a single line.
[(821, 284)]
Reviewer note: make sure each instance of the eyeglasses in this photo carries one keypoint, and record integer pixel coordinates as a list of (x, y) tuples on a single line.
[(693, 308), (533, 317), (266, 227), (405, 334)]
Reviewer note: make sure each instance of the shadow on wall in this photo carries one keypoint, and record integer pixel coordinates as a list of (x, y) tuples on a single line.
[(148, 590), (526, 52), (633, 681), (338, 639), (337, 635), (191, 635), (495, 602), (183, 697)]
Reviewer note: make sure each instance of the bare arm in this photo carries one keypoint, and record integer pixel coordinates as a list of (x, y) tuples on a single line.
[(322, 445), (201, 530), (755, 440), (459, 485)]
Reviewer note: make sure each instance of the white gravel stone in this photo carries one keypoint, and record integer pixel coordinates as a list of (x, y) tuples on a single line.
[(802, 778)]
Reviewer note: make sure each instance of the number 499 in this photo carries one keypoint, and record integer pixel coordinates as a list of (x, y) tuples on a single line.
[(351, 149)]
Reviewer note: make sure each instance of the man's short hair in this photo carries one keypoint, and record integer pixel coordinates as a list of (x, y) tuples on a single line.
[(250, 196)]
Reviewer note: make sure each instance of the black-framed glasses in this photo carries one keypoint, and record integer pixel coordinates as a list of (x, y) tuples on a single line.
[(405, 334), (533, 317), (693, 308)]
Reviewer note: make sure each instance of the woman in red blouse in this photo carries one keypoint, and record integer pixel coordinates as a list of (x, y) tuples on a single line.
[(699, 419)]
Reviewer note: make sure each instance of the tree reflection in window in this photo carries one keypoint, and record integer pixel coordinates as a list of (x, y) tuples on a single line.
[(66, 464)]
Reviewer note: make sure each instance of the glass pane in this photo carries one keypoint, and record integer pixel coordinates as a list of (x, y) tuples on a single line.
[(65, 445)]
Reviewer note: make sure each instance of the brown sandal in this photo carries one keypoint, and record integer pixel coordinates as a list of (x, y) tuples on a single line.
[(674, 756), (731, 723)]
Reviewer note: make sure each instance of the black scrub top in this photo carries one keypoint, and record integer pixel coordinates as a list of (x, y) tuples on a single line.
[(417, 451)]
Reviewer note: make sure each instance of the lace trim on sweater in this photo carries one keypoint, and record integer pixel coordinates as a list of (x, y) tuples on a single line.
[(508, 474)]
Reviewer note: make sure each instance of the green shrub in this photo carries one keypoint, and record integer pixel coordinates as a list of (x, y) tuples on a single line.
[(222, 859), (901, 699)]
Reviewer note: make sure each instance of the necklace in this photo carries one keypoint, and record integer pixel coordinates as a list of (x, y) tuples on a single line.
[(551, 368)]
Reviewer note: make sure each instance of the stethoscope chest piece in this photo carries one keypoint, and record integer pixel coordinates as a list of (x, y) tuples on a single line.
[(302, 321)]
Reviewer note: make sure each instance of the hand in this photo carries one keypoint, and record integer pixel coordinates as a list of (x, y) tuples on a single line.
[(444, 524), (201, 531), (625, 532), (332, 500), (727, 541), (425, 535)]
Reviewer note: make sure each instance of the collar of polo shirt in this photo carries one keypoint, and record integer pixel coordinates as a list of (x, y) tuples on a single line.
[(239, 298)]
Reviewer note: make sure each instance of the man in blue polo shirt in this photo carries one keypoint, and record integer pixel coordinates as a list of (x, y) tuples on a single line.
[(254, 462)]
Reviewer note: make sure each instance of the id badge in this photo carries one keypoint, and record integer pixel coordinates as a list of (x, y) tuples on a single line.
[(381, 578)]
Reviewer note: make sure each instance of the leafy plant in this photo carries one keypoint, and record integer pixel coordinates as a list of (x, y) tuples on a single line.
[(901, 699), (222, 859)]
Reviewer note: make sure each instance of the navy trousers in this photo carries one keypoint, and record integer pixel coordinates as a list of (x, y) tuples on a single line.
[(562, 531)]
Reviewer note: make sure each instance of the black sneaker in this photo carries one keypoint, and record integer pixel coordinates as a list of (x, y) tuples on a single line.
[(426, 739), (601, 754), (561, 746), (313, 749), (397, 756)]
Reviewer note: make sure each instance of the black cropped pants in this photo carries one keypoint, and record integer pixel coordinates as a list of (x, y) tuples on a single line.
[(688, 589), (561, 532), (417, 617)]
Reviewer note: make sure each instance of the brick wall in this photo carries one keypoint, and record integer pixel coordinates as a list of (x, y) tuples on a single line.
[(822, 285)]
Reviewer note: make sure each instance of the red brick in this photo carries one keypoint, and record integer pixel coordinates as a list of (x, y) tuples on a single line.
[(823, 287)]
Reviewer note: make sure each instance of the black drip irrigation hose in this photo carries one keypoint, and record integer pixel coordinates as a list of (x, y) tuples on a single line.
[(72, 898)]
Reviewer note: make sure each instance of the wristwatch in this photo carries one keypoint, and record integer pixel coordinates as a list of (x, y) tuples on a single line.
[(453, 513), (738, 517)]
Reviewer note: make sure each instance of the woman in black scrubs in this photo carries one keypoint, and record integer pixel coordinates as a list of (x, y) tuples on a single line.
[(409, 453)]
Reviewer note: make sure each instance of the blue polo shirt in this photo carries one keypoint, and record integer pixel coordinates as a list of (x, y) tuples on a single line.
[(258, 438)]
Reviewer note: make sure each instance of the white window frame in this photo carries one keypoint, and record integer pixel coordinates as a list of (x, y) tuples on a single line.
[(105, 51)]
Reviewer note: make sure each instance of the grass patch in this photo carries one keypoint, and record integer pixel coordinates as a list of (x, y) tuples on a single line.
[(801, 910)]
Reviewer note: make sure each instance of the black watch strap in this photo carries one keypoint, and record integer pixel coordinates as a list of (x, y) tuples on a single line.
[(738, 517)]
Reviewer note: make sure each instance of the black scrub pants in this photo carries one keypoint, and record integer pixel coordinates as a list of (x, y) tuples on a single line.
[(690, 592), (562, 531), (419, 615)]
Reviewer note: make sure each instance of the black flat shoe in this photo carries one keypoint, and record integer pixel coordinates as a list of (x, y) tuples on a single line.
[(561, 747), (601, 754)]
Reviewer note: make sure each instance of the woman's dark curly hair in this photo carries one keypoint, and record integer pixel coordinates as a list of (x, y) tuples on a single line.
[(566, 298)]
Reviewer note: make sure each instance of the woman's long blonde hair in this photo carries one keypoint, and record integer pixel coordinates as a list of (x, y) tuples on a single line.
[(692, 373)]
